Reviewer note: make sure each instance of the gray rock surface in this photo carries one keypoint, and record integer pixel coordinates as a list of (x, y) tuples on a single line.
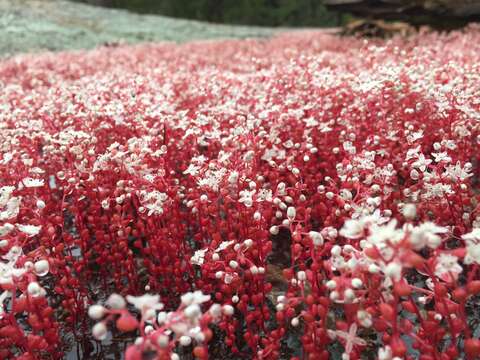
[(39, 25)]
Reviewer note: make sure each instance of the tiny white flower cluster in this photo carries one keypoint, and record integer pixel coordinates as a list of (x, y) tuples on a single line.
[(9, 205), (392, 244), (447, 267), (212, 178), (153, 201), (29, 182), (472, 240), (9, 271), (162, 329)]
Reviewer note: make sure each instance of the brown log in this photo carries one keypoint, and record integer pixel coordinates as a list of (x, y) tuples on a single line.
[(437, 13)]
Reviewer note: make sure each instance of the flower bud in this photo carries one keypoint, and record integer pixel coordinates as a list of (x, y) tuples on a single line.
[(34, 289), (409, 211), (185, 340), (274, 230), (393, 270), (349, 295), (96, 312), (301, 276), (336, 250), (116, 301), (162, 317), (248, 243), (228, 310), (163, 341), (99, 331), (192, 311), (41, 267), (215, 310), (331, 284), (317, 238), (357, 283), (291, 213)]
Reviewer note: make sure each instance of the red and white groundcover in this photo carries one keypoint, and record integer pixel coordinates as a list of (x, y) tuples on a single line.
[(302, 197)]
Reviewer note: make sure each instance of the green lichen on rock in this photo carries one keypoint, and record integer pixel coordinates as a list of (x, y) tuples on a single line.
[(39, 25)]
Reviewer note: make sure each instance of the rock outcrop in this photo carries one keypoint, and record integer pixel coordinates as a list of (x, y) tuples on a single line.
[(437, 13)]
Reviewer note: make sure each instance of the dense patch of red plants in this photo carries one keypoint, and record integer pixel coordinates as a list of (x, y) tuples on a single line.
[(303, 186)]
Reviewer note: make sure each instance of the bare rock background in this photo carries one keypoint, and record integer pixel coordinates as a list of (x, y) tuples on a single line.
[(438, 13)]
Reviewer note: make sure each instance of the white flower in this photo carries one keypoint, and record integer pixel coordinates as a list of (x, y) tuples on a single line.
[(154, 202), (473, 236), (179, 328), (192, 170), (316, 237), (11, 209), (291, 213), (421, 163), (409, 211), (412, 153), (199, 257), (3, 296), (212, 178), (246, 197), (456, 172), (42, 267), (437, 190), (116, 301), (415, 136), (443, 156), (223, 245), (196, 297), (264, 195), (473, 253), (350, 338), (447, 267), (29, 229), (382, 236), (185, 340), (5, 194), (228, 310), (96, 312), (385, 353), (34, 289), (8, 270), (426, 234), (192, 311), (473, 246), (145, 302), (99, 331), (13, 254), (364, 318), (7, 157), (30, 182), (393, 270), (6, 228), (353, 229)]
